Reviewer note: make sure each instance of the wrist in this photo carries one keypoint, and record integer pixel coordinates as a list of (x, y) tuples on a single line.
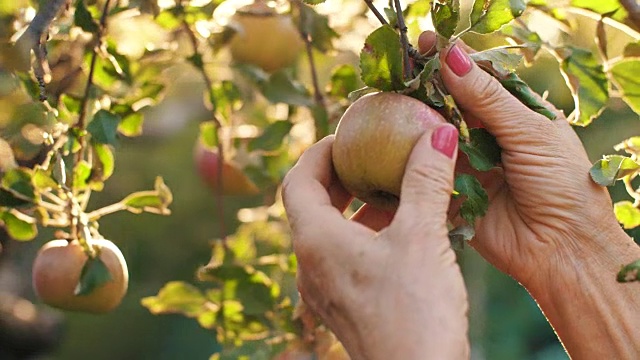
[(582, 300)]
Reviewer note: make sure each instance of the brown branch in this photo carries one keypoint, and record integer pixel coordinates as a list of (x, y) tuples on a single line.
[(633, 8), (220, 185), (317, 92), (404, 41), (375, 12)]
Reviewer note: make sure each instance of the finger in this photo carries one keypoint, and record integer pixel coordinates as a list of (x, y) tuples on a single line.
[(481, 95), (314, 204), (427, 44), (428, 180), (374, 219)]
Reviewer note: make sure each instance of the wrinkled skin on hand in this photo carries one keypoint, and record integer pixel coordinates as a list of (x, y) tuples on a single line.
[(388, 286)]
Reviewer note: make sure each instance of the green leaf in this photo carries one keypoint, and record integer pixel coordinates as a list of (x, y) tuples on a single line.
[(94, 275), (476, 200), (131, 125), (629, 272), (104, 162), (156, 201), (381, 60), (18, 182), (83, 19), (226, 98), (524, 36), (482, 149), (523, 92), (603, 7), (605, 172), (627, 214), (625, 75), (177, 297), (488, 16), (17, 228), (104, 128), (445, 16), (588, 83), (281, 88), (500, 60), (344, 80), (632, 49), (81, 174), (209, 134), (42, 180), (317, 27), (7, 199), (254, 292), (272, 137), (313, 2)]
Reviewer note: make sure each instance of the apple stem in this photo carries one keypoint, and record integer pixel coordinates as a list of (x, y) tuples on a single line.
[(404, 41), (218, 125)]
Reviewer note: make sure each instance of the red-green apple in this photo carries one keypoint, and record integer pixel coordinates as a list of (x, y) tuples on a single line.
[(373, 141), (234, 181), (56, 272)]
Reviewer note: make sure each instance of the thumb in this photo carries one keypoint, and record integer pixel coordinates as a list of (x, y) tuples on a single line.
[(480, 95), (428, 179)]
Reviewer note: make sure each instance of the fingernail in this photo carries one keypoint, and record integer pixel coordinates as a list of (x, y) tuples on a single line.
[(458, 61), (445, 139)]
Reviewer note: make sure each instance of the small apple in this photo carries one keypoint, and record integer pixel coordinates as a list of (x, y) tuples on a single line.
[(373, 141), (57, 269), (234, 181), (264, 38)]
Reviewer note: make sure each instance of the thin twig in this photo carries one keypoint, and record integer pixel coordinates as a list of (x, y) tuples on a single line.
[(404, 41), (633, 8), (109, 209), (218, 125), (375, 12), (611, 22), (317, 92)]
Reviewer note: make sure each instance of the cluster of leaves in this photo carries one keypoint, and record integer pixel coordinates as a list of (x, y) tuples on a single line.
[(100, 88), (58, 146)]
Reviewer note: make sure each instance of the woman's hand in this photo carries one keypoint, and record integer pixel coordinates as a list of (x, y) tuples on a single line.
[(548, 224), (388, 286)]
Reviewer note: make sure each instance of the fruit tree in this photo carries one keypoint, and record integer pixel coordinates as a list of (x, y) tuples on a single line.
[(82, 81)]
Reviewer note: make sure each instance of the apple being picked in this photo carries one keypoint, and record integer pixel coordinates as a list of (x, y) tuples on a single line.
[(57, 269), (234, 181), (373, 141), (264, 38)]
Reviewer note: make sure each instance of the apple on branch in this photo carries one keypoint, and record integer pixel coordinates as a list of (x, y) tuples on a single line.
[(234, 181)]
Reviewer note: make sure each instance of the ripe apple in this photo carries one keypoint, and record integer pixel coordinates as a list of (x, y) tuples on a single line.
[(264, 38), (234, 181), (57, 269), (373, 141)]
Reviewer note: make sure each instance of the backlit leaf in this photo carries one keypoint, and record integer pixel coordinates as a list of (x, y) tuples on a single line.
[(176, 297), (281, 88), (18, 182), (605, 172), (488, 16), (17, 228), (445, 16), (316, 26), (627, 214), (131, 125), (209, 134), (381, 60), (625, 75), (588, 83), (344, 80)]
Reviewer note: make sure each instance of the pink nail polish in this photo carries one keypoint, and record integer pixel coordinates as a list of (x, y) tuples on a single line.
[(445, 139), (458, 61)]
